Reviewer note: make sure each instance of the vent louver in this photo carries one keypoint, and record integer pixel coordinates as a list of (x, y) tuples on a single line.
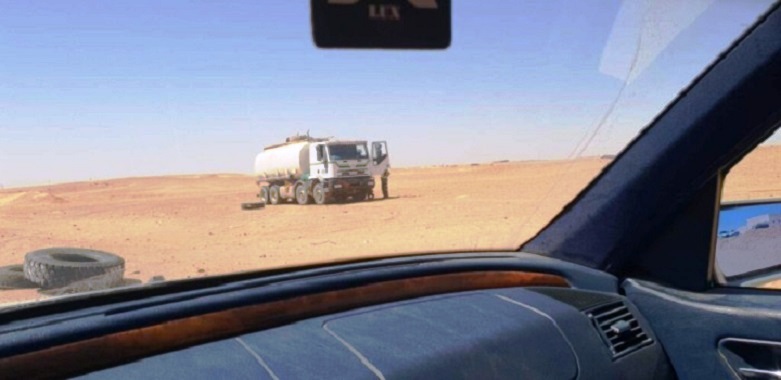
[(618, 328)]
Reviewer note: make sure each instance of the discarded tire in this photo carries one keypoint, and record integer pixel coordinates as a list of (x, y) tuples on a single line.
[(12, 277), (91, 284), (56, 267), (253, 205)]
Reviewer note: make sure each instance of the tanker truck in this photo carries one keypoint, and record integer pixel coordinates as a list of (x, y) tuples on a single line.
[(320, 170)]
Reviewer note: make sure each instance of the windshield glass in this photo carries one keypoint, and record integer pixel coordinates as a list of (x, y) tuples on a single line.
[(136, 130), (348, 152)]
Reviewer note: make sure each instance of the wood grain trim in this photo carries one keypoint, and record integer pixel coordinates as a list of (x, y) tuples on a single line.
[(121, 347)]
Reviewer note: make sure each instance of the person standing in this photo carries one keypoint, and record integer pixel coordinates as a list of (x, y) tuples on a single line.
[(384, 180)]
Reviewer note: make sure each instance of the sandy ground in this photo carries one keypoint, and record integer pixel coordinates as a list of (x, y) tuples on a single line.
[(192, 226), (757, 176)]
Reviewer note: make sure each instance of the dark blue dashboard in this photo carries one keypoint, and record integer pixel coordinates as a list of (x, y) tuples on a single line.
[(505, 333)]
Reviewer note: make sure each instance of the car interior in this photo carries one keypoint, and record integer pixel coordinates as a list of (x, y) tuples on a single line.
[(621, 284)]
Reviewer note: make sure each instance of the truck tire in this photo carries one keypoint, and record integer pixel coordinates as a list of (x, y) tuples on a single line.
[(301, 194), (263, 195), (12, 277), (57, 267), (273, 195), (319, 194)]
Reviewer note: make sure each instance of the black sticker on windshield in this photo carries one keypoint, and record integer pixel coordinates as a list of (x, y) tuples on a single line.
[(396, 24)]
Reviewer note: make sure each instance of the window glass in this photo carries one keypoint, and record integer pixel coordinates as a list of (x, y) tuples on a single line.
[(347, 151), (143, 128), (748, 238), (361, 151)]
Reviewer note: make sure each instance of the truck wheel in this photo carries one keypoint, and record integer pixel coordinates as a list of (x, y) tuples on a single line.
[(12, 277), (273, 195), (56, 267), (263, 195), (301, 196), (318, 193)]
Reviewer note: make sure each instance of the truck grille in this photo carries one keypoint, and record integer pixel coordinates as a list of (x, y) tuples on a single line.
[(352, 172)]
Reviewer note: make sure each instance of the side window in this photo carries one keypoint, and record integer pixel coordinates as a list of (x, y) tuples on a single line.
[(320, 152), (748, 240), (380, 151)]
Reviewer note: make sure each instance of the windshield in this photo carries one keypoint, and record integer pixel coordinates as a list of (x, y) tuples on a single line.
[(348, 152), (136, 130)]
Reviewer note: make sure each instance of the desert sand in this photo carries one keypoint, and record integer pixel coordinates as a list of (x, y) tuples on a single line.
[(193, 226)]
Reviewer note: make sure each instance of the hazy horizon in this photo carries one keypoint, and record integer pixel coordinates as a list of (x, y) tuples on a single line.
[(44, 183)]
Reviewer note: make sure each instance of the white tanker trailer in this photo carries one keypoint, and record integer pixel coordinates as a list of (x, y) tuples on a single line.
[(307, 169)]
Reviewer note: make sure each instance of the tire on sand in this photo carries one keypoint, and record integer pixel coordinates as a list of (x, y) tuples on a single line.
[(273, 195), (253, 205), (12, 277), (319, 194), (263, 194), (56, 267), (302, 196)]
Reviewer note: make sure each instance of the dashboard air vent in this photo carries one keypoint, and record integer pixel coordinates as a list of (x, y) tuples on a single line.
[(618, 328)]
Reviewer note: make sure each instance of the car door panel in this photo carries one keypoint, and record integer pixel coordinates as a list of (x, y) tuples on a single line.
[(693, 326)]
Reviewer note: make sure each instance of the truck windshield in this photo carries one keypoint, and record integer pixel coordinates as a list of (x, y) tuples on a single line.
[(348, 152)]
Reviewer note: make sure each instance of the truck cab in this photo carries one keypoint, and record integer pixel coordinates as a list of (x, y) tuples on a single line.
[(345, 169)]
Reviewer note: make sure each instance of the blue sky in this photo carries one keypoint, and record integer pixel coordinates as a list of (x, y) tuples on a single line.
[(97, 89)]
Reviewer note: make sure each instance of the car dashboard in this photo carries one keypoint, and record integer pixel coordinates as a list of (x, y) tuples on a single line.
[(537, 333), (500, 315)]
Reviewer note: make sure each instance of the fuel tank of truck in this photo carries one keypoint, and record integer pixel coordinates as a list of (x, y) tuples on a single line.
[(288, 161)]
